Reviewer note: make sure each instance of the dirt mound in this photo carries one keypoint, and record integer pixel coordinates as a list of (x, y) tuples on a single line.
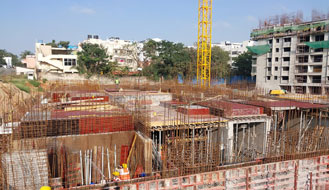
[(12, 99)]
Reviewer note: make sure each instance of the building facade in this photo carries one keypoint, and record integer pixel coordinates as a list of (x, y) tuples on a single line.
[(55, 59), (29, 61), (126, 53), (292, 57), (234, 49)]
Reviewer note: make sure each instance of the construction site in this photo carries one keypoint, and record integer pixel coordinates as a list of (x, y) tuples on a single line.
[(76, 135), (164, 135)]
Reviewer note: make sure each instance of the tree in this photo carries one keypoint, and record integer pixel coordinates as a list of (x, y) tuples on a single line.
[(219, 63), (52, 43), (168, 59), (93, 59), (132, 51), (64, 44), (243, 64), (25, 53)]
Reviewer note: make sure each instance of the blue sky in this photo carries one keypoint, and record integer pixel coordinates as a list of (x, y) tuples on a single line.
[(26, 21)]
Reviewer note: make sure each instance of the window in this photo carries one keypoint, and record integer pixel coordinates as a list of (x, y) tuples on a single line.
[(269, 69), (111, 57), (269, 59), (318, 58), (276, 49), (318, 50), (275, 77), (316, 79), (319, 38), (268, 77), (304, 39), (270, 41), (286, 59), (69, 62), (277, 40), (286, 49), (285, 68), (285, 78), (287, 39), (276, 59), (303, 49), (276, 68), (303, 59)]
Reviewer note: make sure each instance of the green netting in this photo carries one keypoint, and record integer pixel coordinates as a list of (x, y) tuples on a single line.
[(317, 45), (304, 27), (259, 50)]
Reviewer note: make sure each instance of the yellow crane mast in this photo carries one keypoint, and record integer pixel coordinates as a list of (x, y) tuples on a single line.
[(204, 43)]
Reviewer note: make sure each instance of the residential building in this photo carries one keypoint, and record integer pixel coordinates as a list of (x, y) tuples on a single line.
[(292, 57), (234, 49), (55, 59), (29, 61), (8, 61), (126, 53)]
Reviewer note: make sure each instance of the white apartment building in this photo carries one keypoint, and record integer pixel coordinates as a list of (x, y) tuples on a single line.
[(126, 53), (292, 57), (234, 49), (55, 59)]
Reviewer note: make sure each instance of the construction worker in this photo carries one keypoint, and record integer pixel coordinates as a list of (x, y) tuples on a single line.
[(116, 177), (45, 188), (117, 82), (124, 172)]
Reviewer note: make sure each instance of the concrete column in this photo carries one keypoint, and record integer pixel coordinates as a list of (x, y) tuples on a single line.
[(230, 136)]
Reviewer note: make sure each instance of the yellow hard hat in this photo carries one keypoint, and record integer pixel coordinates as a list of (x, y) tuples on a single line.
[(124, 166), (45, 188), (116, 173)]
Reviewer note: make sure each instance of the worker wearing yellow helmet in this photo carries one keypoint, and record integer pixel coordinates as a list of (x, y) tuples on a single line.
[(124, 173), (45, 188), (116, 176)]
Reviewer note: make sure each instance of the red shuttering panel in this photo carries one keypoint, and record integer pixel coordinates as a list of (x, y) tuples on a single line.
[(105, 124), (194, 110)]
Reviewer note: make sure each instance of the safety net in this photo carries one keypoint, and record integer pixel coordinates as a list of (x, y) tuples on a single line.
[(259, 50), (317, 45)]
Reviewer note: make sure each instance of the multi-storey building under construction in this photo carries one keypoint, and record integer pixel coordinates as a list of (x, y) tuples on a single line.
[(292, 56)]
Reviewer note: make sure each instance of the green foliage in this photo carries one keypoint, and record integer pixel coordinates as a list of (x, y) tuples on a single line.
[(168, 59), (44, 80), (23, 87), (93, 59), (52, 43), (20, 83), (25, 53), (34, 83), (219, 63), (40, 89), (64, 44), (243, 64), (15, 61)]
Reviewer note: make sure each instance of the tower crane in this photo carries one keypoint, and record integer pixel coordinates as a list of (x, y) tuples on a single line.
[(204, 43)]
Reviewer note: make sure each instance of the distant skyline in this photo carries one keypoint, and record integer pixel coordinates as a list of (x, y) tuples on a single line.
[(25, 22)]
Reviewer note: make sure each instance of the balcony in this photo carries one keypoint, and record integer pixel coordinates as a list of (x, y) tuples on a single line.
[(285, 73), (286, 44), (301, 71), (284, 81)]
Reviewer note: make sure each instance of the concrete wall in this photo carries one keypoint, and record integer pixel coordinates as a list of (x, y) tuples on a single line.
[(309, 173)]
